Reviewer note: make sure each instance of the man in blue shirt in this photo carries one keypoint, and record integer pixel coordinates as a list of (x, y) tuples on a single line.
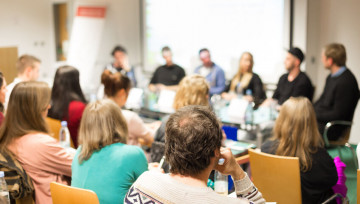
[(341, 93), (212, 72)]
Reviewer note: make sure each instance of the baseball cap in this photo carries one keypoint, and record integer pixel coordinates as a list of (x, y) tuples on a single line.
[(297, 53)]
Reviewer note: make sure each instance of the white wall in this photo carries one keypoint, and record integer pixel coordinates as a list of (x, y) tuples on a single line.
[(334, 21), (28, 26)]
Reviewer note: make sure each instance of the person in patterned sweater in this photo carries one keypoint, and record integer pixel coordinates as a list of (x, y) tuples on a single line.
[(193, 149)]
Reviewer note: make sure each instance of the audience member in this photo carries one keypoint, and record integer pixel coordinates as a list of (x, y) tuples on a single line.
[(245, 80), (28, 70), (193, 90), (3, 91), (296, 135), (117, 87), (341, 92), (192, 148), (212, 72), (67, 100), (167, 76), (103, 162), (25, 134), (295, 83)]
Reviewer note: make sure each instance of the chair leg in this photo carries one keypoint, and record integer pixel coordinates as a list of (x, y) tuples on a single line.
[(353, 153)]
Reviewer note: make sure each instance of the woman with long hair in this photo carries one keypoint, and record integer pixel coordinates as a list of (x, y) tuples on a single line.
[(25, 134), (245, 79), (3, 91), (103, 162), (296, 135), (117, 88), (67, 99)]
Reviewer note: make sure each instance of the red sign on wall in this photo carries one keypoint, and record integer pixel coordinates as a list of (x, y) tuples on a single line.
[(94, 12)]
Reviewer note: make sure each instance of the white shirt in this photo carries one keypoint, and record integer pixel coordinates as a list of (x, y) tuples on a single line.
[(9, 88)]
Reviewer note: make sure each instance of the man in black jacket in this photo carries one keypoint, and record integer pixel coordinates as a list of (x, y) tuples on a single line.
[(341, 93)]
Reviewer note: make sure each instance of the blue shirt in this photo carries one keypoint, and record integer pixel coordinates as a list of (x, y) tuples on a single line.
[(216, 79), (109, 172), (339, 72)]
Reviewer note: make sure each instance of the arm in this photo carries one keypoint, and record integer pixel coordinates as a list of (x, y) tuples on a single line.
[(259, 93), (243, 186), (138, 128), (220, 82)]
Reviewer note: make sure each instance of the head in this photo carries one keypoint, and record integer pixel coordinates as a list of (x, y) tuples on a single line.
[(167, 55), (246, 63), (334, 54), (205, 58), (102, 124), (193, 90), (28, 67), (3, 91), (293, 59), (26, 112), (119, 53), (66, 88), (297, 131), (193, 135), (116, 86)]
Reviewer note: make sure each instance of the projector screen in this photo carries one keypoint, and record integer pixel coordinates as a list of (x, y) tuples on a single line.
[(226, 27)]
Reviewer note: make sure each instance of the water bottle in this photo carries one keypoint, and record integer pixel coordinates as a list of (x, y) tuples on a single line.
[(64, 135), (249, 110), (4, 192)]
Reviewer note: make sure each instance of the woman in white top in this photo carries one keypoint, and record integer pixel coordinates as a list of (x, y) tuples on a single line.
[(116, 88)]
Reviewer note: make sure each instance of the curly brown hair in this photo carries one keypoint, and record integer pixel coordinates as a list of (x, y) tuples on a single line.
[(193, 133)]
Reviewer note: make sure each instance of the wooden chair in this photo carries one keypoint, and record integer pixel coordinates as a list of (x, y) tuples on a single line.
[(61, 194), (276, 177), (55, 126)]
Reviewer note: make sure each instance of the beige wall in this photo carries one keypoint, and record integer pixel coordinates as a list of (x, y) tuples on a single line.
[(334, 21)]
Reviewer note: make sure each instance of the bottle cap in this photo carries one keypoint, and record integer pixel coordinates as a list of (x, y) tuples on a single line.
[(2, 174), (63, 124)]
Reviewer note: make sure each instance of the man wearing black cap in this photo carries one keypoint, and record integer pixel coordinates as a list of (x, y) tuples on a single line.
[(295, 82)]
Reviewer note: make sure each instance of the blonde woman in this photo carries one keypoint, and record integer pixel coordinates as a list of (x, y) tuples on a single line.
[(193, 90), (103, 162), (296, 135), (25, 134), (246, 80)]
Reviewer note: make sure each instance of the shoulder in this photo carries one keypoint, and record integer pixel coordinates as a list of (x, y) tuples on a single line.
[(256, 77), (131, 150), (76, 105)]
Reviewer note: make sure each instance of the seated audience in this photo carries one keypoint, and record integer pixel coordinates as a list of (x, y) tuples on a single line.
[(296, 135), (27, 67), (167, 76), (193, 90), (67, 100), (212, 72), (103, 162), (193, 149), (25, 134), (341, 93), (246, 80), (117, 87), (295, 83), (3, 91)]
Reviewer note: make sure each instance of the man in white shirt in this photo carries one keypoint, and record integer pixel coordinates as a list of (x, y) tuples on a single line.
[(28, 70)]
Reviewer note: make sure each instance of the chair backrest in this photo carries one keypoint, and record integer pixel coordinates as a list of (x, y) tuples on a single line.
[(55, 126), (61, 194), (358, 186), (276, 177)]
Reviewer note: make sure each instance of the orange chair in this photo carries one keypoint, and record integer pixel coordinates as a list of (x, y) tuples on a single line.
[(62, 194), (55, 126), (276, 177)]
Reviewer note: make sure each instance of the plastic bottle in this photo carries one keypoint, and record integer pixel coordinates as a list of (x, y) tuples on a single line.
[(249, 110), (64, 135), (4, 192)]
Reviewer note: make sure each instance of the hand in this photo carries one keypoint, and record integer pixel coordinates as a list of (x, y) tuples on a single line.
[(228, 96), (160, 87), (154, 166), (230, 165)]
